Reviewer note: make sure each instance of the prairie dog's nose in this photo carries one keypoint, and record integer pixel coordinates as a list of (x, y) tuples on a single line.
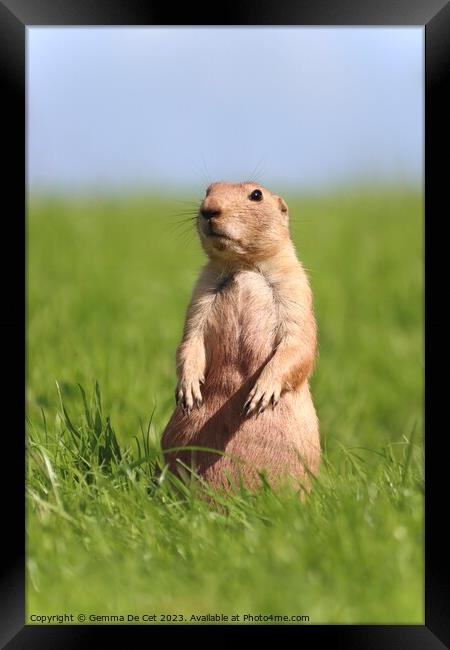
[(210, 211)]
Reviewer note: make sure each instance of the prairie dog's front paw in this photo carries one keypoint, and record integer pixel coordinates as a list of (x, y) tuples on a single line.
[(265, 391), (188, 393)]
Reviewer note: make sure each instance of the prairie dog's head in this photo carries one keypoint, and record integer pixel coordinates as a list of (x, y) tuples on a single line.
[(242, 221)]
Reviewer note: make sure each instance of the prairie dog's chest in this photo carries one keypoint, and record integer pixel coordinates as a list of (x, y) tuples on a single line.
[(244, 314)]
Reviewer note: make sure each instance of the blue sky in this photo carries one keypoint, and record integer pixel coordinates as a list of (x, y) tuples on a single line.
[(310, 108)]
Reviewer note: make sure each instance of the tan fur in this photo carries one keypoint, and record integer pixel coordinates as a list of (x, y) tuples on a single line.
[(248, 349)]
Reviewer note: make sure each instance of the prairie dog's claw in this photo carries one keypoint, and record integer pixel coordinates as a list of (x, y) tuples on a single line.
[(187, 394), (262, 394)]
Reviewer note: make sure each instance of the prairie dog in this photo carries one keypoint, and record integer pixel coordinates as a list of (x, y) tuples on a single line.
[(248, 349)]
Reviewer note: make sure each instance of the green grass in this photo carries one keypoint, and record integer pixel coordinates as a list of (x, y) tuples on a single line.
[(108, 283)]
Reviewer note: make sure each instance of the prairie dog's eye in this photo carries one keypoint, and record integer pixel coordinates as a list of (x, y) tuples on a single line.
[(256, 195)]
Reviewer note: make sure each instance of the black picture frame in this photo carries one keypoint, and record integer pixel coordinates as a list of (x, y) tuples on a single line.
[(15, 17)]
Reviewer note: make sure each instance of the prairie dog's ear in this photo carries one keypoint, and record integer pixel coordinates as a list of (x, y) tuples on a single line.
[(282, 204)]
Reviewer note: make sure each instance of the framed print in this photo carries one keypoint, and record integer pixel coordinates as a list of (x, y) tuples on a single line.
[(218, 231)]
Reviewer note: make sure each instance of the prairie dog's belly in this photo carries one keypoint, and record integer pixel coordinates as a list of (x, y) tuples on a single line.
[(240, 330)]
